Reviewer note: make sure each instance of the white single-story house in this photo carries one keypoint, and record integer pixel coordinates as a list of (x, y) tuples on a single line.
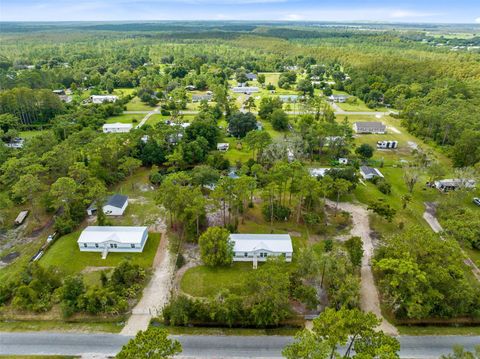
[(289, 98), (113, 239), (117, 127), (251, 76), (103, 98), (223, 146), (114, 206), (446, 185), (318, 172), (199, 98), (258, 247), (245, 89), (370, 127), (339, 98), (369, 172)]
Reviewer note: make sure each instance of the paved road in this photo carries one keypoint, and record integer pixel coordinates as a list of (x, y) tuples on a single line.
[(204, 346)]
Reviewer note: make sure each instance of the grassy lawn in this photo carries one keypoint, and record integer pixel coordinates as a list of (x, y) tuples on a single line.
[(60, 326), (436, 330), (137, 105), (123, 91), (126, 118), (226, 331), (203, 281), (65, 254)]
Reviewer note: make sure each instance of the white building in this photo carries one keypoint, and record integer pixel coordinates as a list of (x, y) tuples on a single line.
[(245, 89), (117, 127), (223, 146), (258, 247), (98, 99), (446, 185), (318, 172), (113, 239), (369, 127), (369, 172), (114, 206)]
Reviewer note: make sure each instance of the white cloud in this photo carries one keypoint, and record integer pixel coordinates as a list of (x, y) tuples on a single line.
[(293, 17), (399, 14), (477, 20)]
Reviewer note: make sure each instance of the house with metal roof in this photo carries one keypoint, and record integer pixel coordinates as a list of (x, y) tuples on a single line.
[(199, 98), (117, 127), (114, 206), (258, 247), (446, 185), (113, 239), (289, 98), (370, 127), (369, 172), (245, 89), (98, 99), (339, 98), (251, 76)]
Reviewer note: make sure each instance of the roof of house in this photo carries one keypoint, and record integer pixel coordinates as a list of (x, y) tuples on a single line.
[(315, 172), (116, 200), (202, 96), (370, 171), (455, 182), (270, 242), (251, 76), (119, 234), (288, 97), (370, 124), (117, 125)]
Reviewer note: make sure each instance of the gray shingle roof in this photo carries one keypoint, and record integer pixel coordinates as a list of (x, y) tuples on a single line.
[(116, 200)]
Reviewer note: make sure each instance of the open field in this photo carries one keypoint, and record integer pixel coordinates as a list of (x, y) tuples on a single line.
[(126, 118), (203, 281), (137, 105)]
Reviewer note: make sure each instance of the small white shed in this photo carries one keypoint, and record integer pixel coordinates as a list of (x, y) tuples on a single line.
[(114, 206)]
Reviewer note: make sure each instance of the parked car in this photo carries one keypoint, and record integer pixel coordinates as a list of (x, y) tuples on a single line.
[(476, 200)]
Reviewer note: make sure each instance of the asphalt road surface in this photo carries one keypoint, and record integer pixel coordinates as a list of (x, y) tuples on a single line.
[(204, 346)]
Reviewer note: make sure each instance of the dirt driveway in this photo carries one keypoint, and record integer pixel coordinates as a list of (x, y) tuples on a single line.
[(369, 298), (156, 294)]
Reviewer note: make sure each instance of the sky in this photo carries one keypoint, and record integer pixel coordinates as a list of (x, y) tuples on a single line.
[(440, 11)]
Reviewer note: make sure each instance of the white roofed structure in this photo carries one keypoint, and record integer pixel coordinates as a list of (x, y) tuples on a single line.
[(117, 127), (258, 247), (112, 239)]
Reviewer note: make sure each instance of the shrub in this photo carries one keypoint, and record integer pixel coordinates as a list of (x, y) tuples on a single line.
[(280, 213), (383, 186)]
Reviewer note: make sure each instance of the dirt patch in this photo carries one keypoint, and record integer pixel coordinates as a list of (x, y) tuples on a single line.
[(10, 257), (294, 234)]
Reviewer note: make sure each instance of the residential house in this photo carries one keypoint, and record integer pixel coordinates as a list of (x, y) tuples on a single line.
[(113, 239), (369, 173), (245, 89), (98, 99), (289, 98), (199, 98), (446, 185), (258, 247), (223, 146), (370, 127), (117, 127), (318, 172), (251, 76), (339, 98), (115, 205)]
